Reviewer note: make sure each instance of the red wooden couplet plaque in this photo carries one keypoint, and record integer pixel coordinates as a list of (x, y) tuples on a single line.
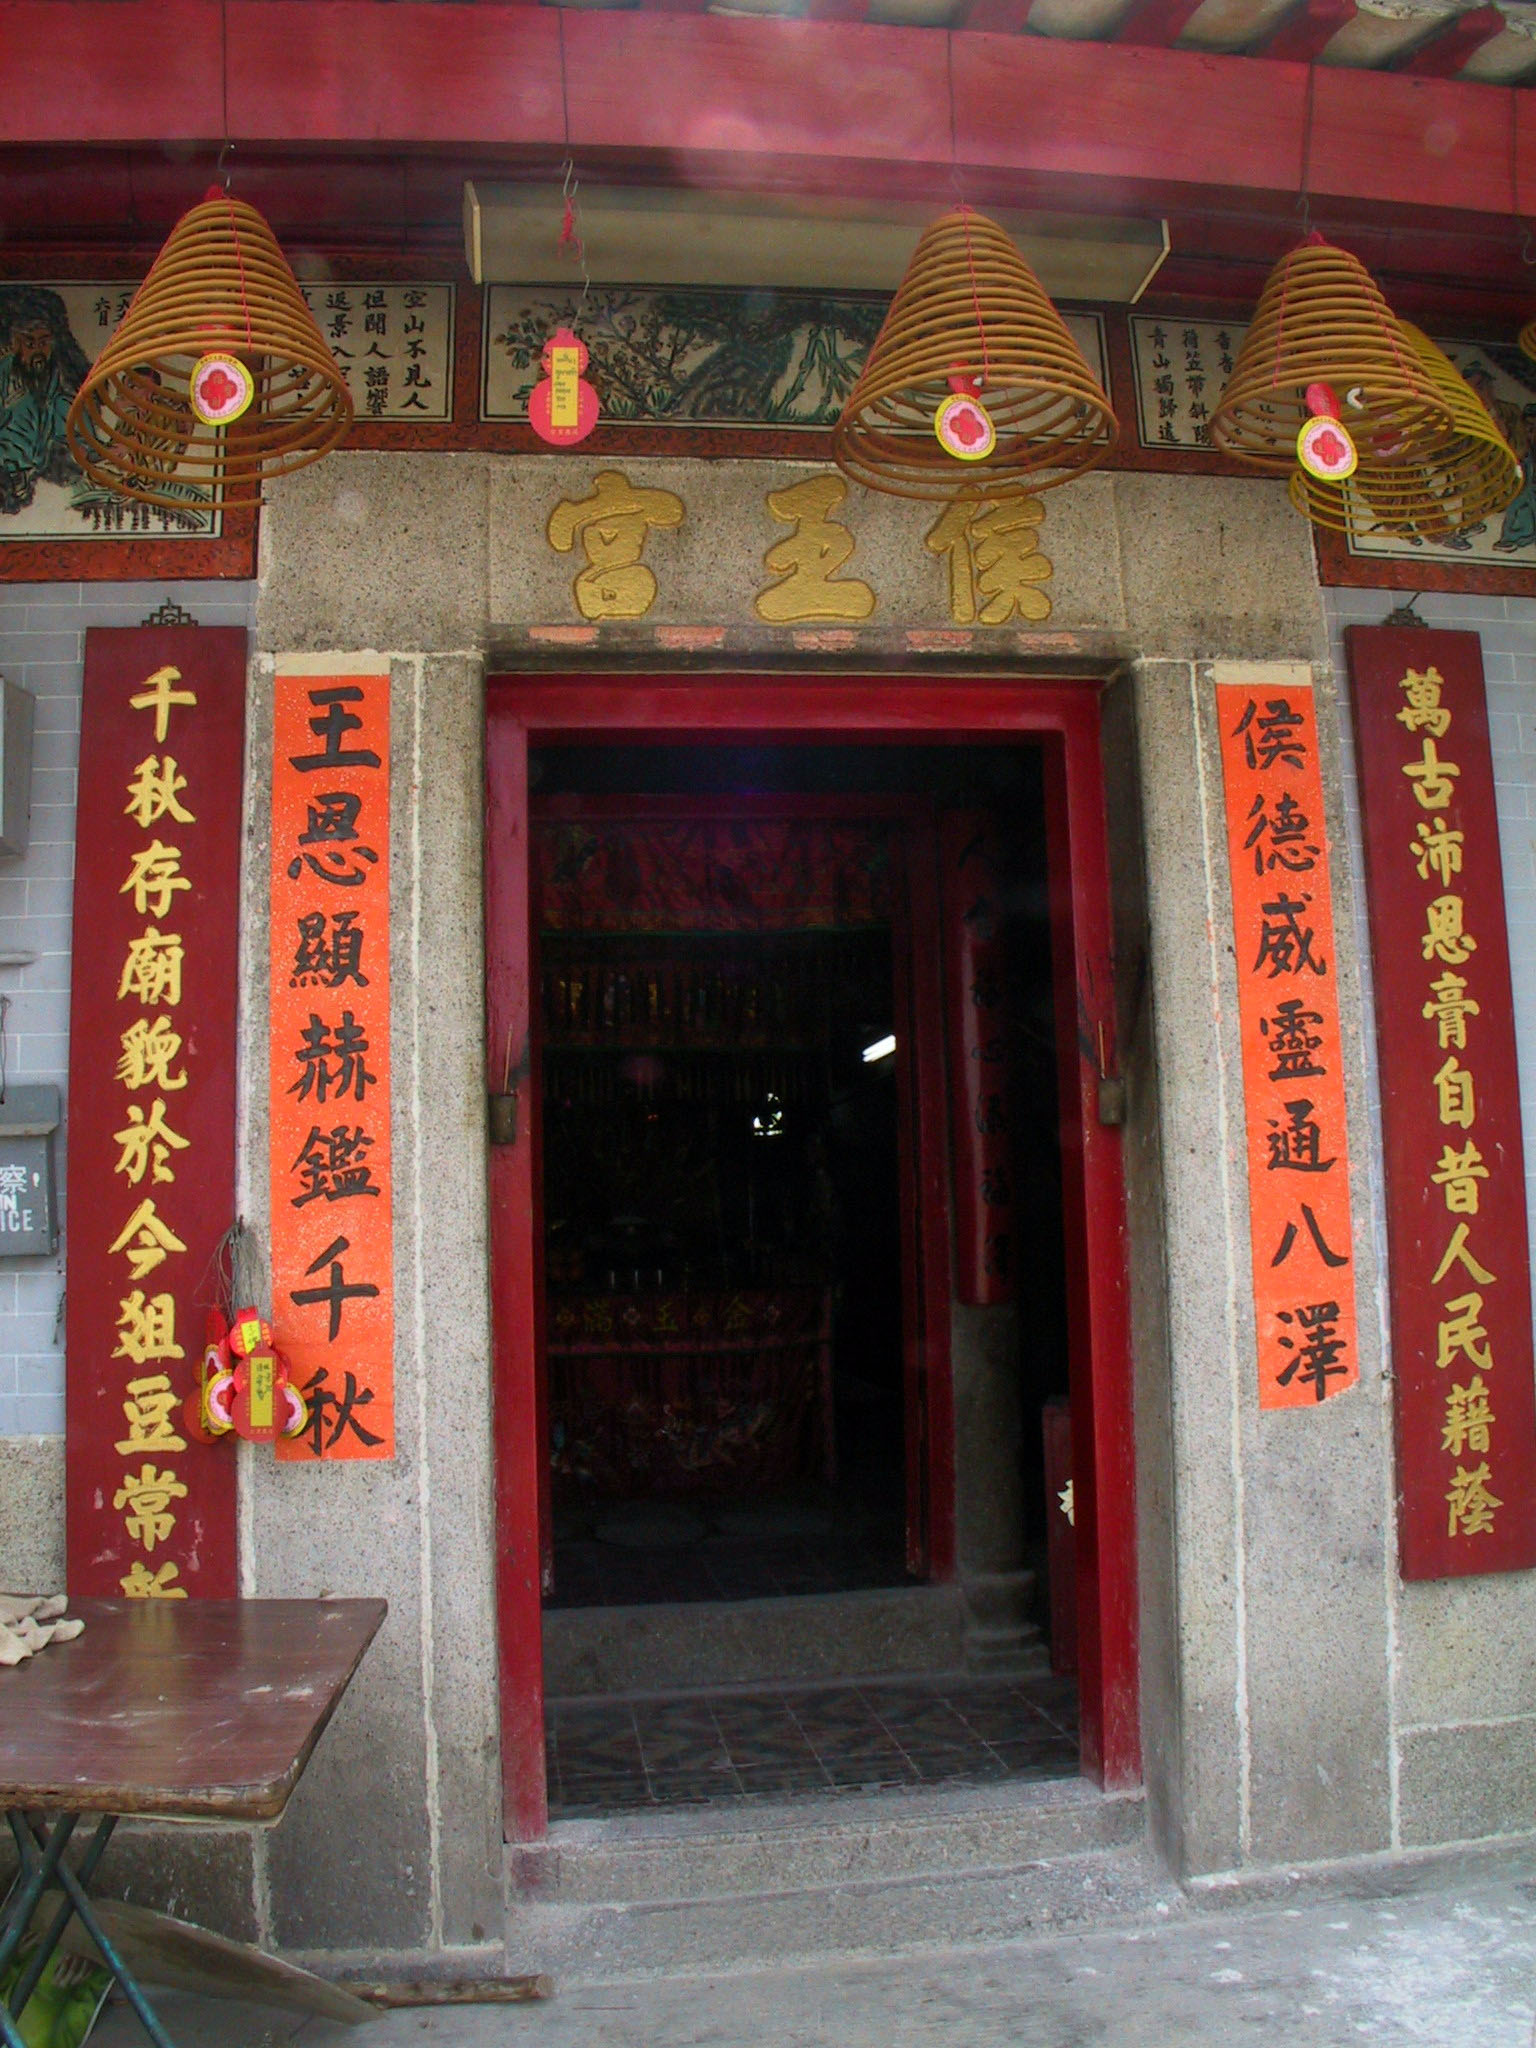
[(1450, 1105), (151, 1510)]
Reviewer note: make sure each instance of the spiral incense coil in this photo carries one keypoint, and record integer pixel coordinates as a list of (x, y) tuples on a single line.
[(220, 287), (1321, 320), (1443, 483), (1528, 340), (970, 306)]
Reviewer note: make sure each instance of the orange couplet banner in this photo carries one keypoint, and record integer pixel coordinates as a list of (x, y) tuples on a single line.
[(1293, 1084), (332, 1233)]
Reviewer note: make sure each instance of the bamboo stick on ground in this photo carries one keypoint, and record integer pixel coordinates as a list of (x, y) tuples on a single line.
[(458, 1991)]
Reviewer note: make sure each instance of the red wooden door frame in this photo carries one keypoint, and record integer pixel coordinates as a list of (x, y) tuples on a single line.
[(638, 710)]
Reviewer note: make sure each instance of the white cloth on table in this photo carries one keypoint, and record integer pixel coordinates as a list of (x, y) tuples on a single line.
[(30, 1621)]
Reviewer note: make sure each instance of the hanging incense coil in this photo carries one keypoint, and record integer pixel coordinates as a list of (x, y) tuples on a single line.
[(1322, 320), (969, 306), (1443, 483), (220, 287)]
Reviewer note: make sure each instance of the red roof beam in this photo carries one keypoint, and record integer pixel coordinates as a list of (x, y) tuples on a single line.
[(1308, 30), (1155, 24), (1451, 47), (992, 17)]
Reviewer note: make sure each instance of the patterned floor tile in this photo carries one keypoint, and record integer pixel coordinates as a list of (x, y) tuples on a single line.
[(869, 1774), (616, 1756), (778, 1781)]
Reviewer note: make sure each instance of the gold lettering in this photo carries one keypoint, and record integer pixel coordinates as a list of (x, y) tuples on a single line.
[(612, 524), (158, 696), (154, 791), (807, 562)]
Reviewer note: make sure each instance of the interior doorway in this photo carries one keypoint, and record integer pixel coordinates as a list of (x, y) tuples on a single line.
[(732, 1242)]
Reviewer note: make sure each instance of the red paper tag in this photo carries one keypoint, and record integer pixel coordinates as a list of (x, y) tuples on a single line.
[(259, 1406), (563, 407)]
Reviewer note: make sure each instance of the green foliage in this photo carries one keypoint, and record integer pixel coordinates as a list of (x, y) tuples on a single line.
[(748, 358)]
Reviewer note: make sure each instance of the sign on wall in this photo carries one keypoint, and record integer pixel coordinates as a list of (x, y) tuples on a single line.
[(393, 342), (329, 1057), (151, 1509), (1288, 1013), (1450, 1105), (718, 358), (1181, 368)]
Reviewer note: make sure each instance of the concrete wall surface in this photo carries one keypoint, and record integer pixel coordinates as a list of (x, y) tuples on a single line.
[(1462, 1652), (1298, 1703)]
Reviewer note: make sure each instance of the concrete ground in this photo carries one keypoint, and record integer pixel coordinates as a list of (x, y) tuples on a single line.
[(1447, 1959)]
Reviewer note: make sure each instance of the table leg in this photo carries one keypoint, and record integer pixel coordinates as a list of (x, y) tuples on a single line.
[(29, 1839), (61, 1919), (32, 1879)]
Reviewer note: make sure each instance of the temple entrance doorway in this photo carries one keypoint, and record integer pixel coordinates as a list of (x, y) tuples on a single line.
[(799, 1288)]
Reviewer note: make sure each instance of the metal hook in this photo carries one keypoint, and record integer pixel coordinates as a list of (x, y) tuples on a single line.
[(1525, 246), (220, 171)]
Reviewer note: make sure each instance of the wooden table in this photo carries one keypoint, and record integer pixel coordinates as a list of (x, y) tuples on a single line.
[(186, 1709)]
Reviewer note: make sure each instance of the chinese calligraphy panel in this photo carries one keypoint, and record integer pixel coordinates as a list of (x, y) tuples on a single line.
[(1181, 368), (1288, 1010), (151, 1507), (329, 1058), (1450, 1105), (393, 343)]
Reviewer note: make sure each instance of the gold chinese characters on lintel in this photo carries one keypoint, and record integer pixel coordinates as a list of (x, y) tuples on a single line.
[(994, 569)]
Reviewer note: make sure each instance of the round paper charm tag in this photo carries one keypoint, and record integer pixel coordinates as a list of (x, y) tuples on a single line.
[(296, 1415), (221, 389), (964, 428), (1326, 451), (219, 1401)]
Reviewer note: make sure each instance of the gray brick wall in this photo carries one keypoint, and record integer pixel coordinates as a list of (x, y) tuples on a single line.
[(42, 639)]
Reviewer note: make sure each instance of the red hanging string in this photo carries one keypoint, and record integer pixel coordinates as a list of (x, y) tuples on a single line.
[(234, 229), (970, 264)]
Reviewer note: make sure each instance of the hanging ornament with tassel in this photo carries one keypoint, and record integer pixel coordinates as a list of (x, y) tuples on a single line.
[(217, 378), (974, 387), (563, 407)]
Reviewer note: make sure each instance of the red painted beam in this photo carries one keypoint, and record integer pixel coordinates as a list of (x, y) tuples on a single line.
[(109, 72), (1452, 46), (714, 86), (1438, 142), (1155, 24), (815, 106), (424, 72), (1081, 110), (994, 17), (1308, 30)]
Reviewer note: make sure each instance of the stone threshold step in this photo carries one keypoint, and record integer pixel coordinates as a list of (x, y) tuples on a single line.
[(922, 1834), (598, 1943)]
